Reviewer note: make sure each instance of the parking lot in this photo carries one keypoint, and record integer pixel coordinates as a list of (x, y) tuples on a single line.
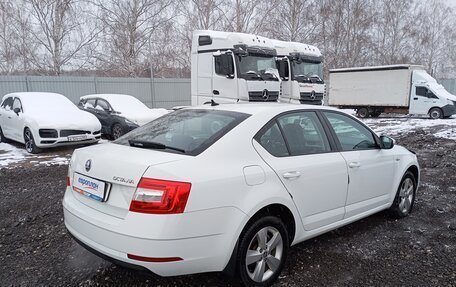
[(35, 249)]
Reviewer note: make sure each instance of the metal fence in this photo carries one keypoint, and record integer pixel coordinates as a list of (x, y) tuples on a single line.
[(449, 84), (156, 93)]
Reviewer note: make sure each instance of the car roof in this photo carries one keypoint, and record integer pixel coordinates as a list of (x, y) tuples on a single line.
[(256, 108), (33, 95), (106, 97)]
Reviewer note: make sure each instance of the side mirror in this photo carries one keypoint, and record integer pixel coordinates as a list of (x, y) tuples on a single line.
[(224, 65), (387, 142), (17, 110), (282, 66)]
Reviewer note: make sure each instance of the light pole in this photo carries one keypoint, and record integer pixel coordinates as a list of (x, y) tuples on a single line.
[(152, 81)]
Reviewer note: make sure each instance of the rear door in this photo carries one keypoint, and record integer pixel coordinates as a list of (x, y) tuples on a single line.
[(297, 148), (371, 169)]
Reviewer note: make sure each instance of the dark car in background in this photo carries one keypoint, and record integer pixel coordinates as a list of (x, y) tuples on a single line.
[(117, 113)]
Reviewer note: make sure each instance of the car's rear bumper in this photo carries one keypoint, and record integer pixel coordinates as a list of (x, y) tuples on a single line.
[(157, 236)]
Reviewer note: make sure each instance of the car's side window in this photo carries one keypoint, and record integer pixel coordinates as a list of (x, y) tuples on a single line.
[(425, 92), (351, 134), (272, 140), (8, 103), (304, 133), (17, 104), (90, 103), (102, 105)]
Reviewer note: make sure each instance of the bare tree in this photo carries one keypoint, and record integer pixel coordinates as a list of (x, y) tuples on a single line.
[(129, 30), (392, 32), (62, 29), (8, 54), (293, 20)]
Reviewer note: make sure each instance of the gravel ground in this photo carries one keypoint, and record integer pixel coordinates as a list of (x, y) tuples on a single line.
[(35, 249)]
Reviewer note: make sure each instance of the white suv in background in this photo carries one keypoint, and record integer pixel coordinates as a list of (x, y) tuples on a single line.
[(43, 120), (231, 187)]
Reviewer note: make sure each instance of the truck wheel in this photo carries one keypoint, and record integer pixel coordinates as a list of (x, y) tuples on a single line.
[(262, 252), (362, 113), (436, 113)]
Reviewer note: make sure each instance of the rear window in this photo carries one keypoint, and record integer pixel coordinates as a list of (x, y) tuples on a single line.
[(184, 131)]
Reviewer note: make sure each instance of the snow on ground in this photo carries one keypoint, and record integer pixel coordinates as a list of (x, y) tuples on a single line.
[(14, 155), (443, 128)]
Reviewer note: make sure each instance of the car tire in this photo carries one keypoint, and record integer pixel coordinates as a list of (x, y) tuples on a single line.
[(362, 113), (2, 137), (30, 145), (117, 131), (436, 113), (263, 248), (405, 196)]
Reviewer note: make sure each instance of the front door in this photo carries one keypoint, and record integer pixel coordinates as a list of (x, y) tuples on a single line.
[(297, 148), (370, 168), (16, 124), (5, 116), (224, 87), (422, 100)]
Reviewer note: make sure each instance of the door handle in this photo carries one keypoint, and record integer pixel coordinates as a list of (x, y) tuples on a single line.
[(216, 92), (354, 165), (291, 175), (9, 117), (415, 98)]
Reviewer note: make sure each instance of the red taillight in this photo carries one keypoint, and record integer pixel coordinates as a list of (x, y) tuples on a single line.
[(160, 196), (68, 181), (154, 259)]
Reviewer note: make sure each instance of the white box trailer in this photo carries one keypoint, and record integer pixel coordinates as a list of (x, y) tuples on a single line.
[(404, 89)]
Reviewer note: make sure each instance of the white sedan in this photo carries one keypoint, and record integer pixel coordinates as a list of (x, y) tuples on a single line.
[(232, 187), (42, 120)]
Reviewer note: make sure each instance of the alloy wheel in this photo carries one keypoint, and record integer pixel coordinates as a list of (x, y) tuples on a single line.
[(406, 194), (264, 254), (28, 141), (117, 131)]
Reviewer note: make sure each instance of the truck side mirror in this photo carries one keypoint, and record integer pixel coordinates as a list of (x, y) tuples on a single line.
[(224, 65), (282, 66)]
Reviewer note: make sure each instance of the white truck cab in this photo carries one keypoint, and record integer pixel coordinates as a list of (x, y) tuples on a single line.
[(427, 95), (301, 71), (232, 67)]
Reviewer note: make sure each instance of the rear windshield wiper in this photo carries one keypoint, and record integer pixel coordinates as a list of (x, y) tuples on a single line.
[(153, 145)]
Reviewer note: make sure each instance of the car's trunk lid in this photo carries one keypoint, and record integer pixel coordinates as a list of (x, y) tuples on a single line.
[(120, 168)]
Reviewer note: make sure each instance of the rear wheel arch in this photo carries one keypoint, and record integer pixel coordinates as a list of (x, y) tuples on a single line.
[(278, 210), (433, 109)]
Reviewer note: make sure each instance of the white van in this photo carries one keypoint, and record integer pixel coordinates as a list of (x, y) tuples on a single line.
[(406, 89)]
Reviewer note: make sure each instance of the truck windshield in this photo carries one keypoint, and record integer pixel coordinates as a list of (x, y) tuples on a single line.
[(307, 72), (258, 68)]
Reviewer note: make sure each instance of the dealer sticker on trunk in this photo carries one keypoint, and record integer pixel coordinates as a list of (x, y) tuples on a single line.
[(88, 186)]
